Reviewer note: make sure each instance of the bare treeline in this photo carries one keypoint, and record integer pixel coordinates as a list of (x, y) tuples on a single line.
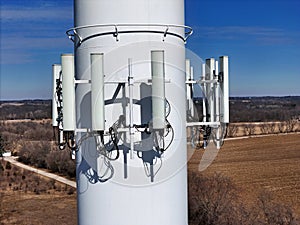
[(259, 109), (33, 142), (27, 130), (17, 133), (249, 129), (43, 155), (264, 109), (216, 200), (27, 109), (242, 109), (17, 179)]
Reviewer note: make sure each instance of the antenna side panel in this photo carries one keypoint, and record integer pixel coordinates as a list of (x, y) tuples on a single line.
[(56, 70), (209, 75), (224, 69)]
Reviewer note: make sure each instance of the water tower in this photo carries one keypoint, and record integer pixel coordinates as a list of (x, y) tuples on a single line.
[(121, 103)]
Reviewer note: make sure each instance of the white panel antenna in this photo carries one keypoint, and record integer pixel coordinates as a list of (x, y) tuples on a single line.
[(97, 83), (158, 89), (224, 73), (209, 76), (214, 85), (68, 92)]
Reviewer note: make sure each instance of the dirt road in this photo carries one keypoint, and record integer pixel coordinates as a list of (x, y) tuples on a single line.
[(63, 180)]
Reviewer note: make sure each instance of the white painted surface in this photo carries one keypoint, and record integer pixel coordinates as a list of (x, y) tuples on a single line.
[(135, 200)]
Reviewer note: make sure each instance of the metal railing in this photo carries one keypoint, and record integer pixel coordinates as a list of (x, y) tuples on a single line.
[(117, 29)]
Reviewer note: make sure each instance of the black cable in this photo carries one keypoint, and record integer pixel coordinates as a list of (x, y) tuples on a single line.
[(172, 138), (54, 136), (111, 168), (71, 143), (157, 147), (115, 142), (168, 105)]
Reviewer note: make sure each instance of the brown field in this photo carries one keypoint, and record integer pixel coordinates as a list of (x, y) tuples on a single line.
[(256, 163), (271, 163), (27, 198), (32, 209)]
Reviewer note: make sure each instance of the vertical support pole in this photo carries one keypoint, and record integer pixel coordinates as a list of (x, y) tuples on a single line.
[(68, 91), (204, 97), (192, 93), (151, 172), (188, 78), (97, 91), (224, 70), (56, 69), (209, 76), (217, 93), (130, 85), (217, 102), (188, 95), (158, 89)]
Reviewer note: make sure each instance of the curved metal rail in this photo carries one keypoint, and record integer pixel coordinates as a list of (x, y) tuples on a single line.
[(166, 29)]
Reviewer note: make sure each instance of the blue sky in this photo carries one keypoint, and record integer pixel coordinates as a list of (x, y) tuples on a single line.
[(261, 37)]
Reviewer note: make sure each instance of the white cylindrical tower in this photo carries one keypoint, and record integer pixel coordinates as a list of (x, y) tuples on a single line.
[(150, 187)]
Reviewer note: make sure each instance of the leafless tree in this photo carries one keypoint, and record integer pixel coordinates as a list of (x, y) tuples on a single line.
[(282, 127), (60, 161), (232, 130), (290, 125), (297, 129), (249, 129), (271, 128), (275, 213), (212, 200), (264, 129), (1, 207), (34, 153)]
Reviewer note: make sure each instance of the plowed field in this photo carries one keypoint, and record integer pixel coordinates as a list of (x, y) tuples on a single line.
[(257, 163)]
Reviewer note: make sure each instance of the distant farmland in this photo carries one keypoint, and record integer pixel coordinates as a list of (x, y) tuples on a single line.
[(254, 164)]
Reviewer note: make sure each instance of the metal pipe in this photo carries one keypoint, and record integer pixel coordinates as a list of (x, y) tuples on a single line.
[(204, 97), (217, 105), (130, 86)]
